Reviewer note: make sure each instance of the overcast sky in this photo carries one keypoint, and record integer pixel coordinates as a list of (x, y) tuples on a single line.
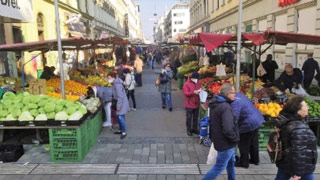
[(147, 9)]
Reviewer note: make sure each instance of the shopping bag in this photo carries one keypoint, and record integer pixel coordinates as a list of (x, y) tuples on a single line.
[(221, 70), (299, 91), (261, 71), (212, 156), (203, 96)]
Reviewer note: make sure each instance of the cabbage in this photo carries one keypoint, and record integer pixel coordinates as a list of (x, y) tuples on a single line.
[(25, 108), (26, 100), (58, 108), (3, 113), (61, 116), (71, 110), (75, 116), (9, 95), (1, 106), (7, 102), (61, 102), (34, 112), (10, 118), (16, 113), (49, 107), (83, 110), (32, 106), (41, 117), (51, 115), (26, 94), (26, 116), (35, 99), (41, 111), (18, 106), (42, 103)]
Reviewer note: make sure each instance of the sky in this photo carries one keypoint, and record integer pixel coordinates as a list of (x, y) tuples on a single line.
[(147, 10)]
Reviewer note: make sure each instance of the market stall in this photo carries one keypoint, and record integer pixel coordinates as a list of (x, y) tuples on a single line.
[(267, 99), (73, 123)]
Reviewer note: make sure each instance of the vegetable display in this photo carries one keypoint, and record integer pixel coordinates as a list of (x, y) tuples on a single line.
[(27, 107), (187, 68), (314, 108), (91, 104)]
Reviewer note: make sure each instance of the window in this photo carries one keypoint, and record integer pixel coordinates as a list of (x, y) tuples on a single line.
[(178, 14), (174, 30), (218, 4), (223, 2), (249, 28), (178, 22), (212, 5)]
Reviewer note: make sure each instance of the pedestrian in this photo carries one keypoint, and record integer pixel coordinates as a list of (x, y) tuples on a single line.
[(299, 144), (309, 67), (191, 90), (291, 77), (166, 75), (122, 103), (270, 66), (105, 96), (138, 66), (129, 84), (224, 132), (249, 120)]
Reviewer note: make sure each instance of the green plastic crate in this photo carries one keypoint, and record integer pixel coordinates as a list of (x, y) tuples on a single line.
[(66, 156)]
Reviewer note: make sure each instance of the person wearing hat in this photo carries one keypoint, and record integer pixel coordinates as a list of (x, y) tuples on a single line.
[(191, 90), (165, 88)]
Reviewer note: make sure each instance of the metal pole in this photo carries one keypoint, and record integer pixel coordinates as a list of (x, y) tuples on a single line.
[(239, 46), (60, 49)]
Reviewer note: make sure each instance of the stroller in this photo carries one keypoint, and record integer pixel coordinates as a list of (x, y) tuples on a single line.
[(204, 132)]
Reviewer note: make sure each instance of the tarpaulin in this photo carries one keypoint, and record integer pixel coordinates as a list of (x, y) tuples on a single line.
[(256, 38), (212, 41)]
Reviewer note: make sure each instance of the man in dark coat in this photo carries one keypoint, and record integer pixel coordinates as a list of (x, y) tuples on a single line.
[(290, 78), (224, 132), (309, 67), (270, 66), (249, 120)]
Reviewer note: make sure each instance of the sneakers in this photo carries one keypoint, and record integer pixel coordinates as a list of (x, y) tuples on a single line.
[(117, 132), (106, 125), (163, 107), (189, 133), (170, 109), (133, 109), (123, 135), (238, 164)]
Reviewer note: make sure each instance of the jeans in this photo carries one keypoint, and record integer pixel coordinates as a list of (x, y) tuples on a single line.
[(166, 99), (192, 119), (107, 109), (281, 175), (131, 94), (249, 144), (122, 123), (225, 160)]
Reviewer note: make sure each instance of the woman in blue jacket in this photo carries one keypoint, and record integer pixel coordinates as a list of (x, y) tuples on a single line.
[(249, 121)]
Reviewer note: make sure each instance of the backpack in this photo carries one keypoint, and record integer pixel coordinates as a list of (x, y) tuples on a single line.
[(274, 146)]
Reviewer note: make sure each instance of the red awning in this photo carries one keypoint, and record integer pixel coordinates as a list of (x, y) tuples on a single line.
[(68, 43), (212, 41)]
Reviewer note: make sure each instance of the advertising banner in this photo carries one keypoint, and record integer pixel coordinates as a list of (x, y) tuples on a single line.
[(16, 10)]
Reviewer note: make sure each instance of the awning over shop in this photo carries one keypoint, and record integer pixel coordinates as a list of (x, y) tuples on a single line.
[(212, 40), (67, 44)]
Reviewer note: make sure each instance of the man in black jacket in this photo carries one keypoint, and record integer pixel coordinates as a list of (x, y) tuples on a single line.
[(290, 78), (309, 67), (270, 66), (224, 133)]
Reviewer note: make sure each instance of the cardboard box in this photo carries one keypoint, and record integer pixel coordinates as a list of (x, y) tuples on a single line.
[(42, 90), (42, 82)]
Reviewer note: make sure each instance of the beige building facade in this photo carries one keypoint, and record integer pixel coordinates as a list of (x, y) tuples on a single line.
[(221, 16)]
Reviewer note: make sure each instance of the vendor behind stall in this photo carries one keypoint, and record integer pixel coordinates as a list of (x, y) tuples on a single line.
[(48, 73), (291, 77)]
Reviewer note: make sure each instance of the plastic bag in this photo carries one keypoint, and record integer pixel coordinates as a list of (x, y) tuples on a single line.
[(299, 91), (212, 156), (221, 70), (203, 96), (260, 70)]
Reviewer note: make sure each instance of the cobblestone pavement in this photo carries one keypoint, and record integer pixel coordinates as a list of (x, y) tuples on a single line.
[(156, 148)]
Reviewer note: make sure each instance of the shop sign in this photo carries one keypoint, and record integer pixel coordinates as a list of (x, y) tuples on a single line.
[(17, 10), (283, 3)]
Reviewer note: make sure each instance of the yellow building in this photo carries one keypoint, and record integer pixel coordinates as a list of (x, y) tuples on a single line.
[(221, 16), (44, 28)]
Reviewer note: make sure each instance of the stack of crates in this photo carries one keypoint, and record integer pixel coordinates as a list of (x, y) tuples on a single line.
[(68, 145), (264, 132)]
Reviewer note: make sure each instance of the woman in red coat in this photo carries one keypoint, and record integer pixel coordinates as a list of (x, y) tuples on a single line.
[(191, 90)]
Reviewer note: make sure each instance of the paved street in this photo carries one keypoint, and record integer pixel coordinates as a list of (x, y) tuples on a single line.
[(156, 148)]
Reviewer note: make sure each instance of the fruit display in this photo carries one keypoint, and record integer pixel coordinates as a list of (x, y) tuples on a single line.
[(207, 71), (215, 86), (205, 81), (94, 80), (72, 87), (27, 107), (272, 109), (187, 59), (314, 108), (314, 91), (91, 104), (187, 68), (59, 96)]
